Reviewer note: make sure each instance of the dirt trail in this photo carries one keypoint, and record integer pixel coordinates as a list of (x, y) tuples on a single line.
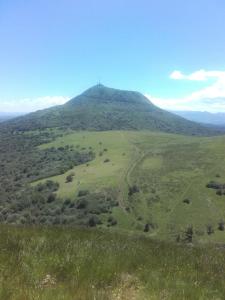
[(125, 181)]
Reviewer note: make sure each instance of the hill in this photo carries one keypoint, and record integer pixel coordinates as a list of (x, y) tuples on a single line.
[(102, 108)]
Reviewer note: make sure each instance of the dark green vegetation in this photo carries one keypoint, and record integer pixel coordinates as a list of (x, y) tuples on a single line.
[(55, 264), (102, 108), (22, 162), (219, 187)]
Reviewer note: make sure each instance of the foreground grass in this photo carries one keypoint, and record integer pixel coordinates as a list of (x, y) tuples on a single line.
[(56, 263)]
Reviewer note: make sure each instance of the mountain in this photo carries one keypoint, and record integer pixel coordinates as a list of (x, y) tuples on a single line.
[(203, 117), (101, 108), (4, 116)]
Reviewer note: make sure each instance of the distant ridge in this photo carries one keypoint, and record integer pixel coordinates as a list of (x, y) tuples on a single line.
[(203, 117), (102, 108), (4, 116)]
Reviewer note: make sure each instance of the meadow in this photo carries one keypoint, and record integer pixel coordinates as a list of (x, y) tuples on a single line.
[(170, 172)]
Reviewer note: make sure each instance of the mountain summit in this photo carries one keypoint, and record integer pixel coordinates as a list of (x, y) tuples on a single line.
[(103, 108)]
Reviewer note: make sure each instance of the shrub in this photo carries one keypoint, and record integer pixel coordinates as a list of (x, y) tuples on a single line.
[(51, 198), (189, 234), (133, 189), (82, 193), (187, 201), (67, 202), (69, 178), (112, 221), (106, 160), (209, 229), (221, 226), (147, 227), (81, 204), (220, 192), (94, 221)]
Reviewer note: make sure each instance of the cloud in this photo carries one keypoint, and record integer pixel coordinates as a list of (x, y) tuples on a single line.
[(211, 98), (200, 75), (32, 104)]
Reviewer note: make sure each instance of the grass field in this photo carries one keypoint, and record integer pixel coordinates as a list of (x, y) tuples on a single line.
[(167, 169), (82, 264)]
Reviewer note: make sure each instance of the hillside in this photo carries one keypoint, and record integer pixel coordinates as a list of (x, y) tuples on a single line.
[(159, 182), (141, 181), (57, 263), (102, 108)]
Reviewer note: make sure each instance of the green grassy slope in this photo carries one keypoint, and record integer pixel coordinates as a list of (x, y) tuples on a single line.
[(102, 108), (166, 168), (56, 264)]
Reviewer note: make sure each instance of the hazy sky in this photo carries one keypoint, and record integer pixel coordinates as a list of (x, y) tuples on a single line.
[(172, 51)]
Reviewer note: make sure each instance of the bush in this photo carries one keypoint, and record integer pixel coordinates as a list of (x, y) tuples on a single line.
[(221, 226), (146, 228), (67, 202), (209, 229), (81, 204), (106, 160), (189, 234), (220, 192), (51, 198), (82, 193), (69, 178), (133, 189), (187, 201), (112, 221), (94, 221)]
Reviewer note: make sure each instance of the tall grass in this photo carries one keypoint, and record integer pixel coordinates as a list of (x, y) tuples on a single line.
[(57, 263)]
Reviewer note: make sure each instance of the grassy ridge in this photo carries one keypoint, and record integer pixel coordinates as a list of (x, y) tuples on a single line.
[(54, 263)]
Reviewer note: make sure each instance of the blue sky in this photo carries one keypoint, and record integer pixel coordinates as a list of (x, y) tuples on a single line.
[(172, 51)]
